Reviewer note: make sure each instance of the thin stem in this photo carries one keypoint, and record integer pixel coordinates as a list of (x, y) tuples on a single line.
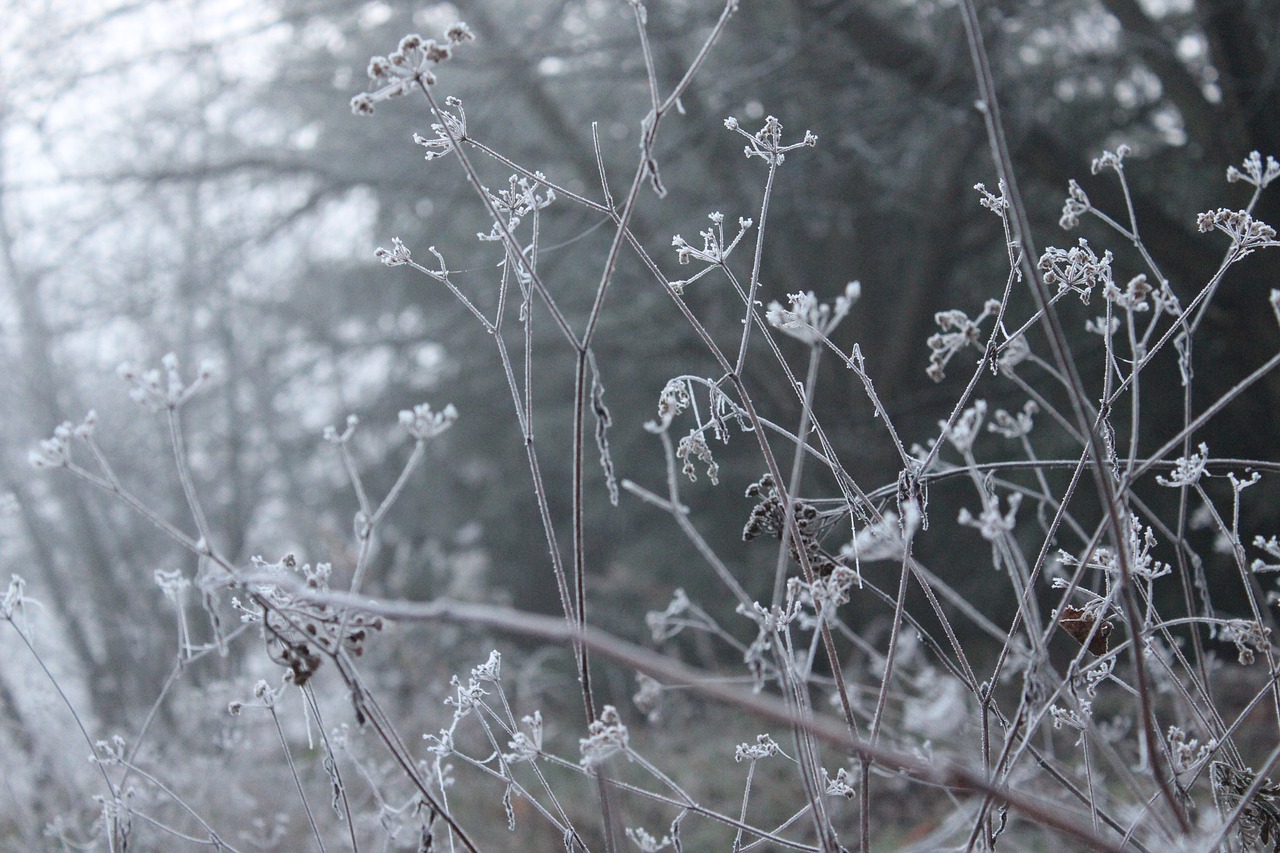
[(1058, 344), (797, 468)]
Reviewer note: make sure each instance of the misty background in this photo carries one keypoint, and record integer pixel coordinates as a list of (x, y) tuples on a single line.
[(188, 177)]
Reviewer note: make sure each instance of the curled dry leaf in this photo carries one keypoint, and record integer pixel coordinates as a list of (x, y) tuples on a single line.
[(1079, 623)]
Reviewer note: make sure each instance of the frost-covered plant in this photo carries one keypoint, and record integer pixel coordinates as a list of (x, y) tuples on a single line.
[(1082, 669)]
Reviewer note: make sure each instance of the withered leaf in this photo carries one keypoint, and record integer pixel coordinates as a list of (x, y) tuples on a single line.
[(1078, 624)]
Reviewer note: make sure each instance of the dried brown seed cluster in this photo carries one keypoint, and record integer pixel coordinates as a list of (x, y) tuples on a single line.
[(296, 640), (769, 517)]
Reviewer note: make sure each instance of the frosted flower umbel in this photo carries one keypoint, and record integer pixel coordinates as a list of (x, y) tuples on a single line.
[(452, 126), (397, 256), (605, 736), (715, 250), (1077, 269), (1246, 233), (526, 747), (764, 747), (767, 142), (422, 423), (408, 68), (809, 320), (885, 539), (1187, 470), (55, 451), (966, 428), (1077, 203), (1254, 172), (520, 199), (959, 332), (158, 391)]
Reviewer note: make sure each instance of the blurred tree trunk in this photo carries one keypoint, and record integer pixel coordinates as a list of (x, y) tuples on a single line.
[(79, 567)]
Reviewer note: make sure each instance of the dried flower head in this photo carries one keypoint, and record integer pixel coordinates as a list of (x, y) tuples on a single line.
[(809, 320), (764, 747), (1015, 425), (397, 255), (408, 67), (957, 332), (451, 128), (714, 252), (1253, 172), (648, 697), (149, 391), (766, 143), (694, 445), (990, 522), (1077, 203), (605, 737), (673, 400), (1246, 233), (424, 424), (967, 427), (526, 747), (997, 204), (1110, 160), (1133, 297), (1187, 470), (645, 842), (332, 435), (1077, 269)]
